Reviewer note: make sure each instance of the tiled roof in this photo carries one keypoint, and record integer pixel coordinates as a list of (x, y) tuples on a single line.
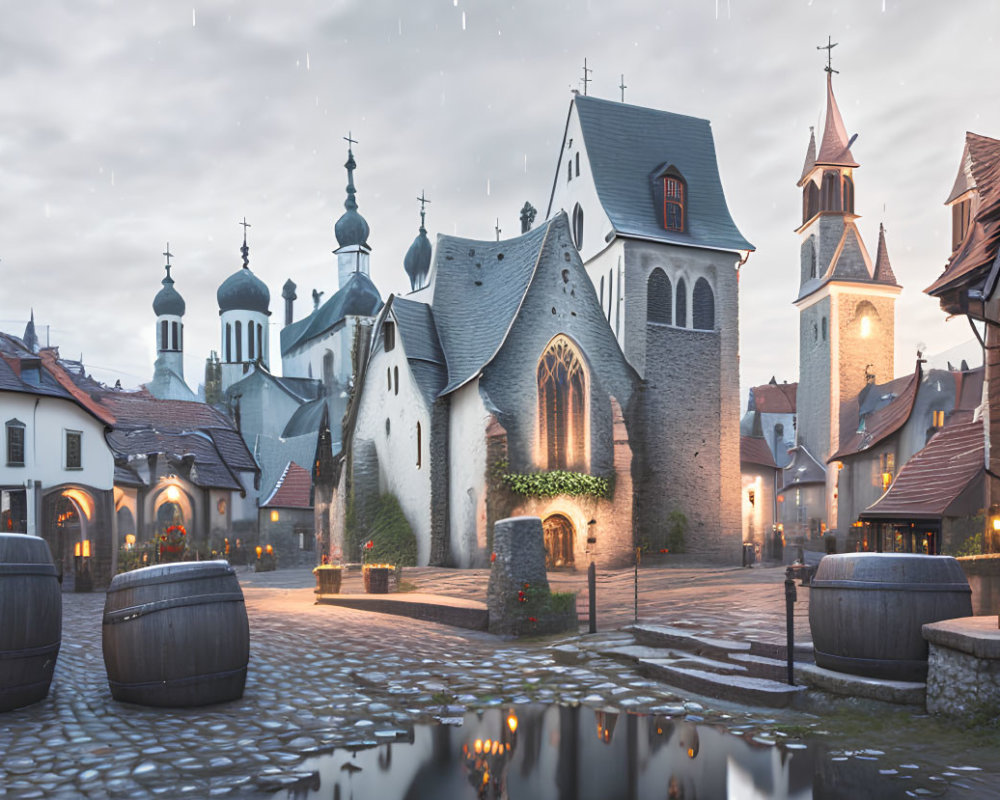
[(628, 145), (415, 322), (293, 489), (478, 288), (358, 297), (934, 477), (970, 263), (207, 466), (834, 148), (775, 398), (879, 423), (754, 450), (140, 409), (803, 469), (883, 269)]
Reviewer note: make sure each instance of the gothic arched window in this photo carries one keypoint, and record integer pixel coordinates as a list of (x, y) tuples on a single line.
[(229, 342), (848, 190), (562, 406), (239, 340), (831, 192), (703, 306), (680, 307), (659, 302)]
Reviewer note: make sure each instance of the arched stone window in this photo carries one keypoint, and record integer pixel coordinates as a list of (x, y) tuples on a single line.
[(562, 406), (659, 299), (681, 306), (578, 226), (848, 193), (239, 340), (810, 201), (229, 342), (703, 306), (831, 192)]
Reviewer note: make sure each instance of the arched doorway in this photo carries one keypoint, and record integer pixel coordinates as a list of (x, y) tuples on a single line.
[(68, 515), (558, 531)]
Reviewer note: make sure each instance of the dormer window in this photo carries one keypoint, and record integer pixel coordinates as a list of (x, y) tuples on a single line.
[(673, 203), (961, 217)]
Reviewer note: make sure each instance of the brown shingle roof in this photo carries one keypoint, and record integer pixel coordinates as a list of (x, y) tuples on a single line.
[(140, 409), (834, 148), (775, 398), (754, 450), (970, 262), (878, 424), (292, 490), (934, 478)]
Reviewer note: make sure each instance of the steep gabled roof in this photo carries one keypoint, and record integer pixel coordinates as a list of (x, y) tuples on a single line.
[(415, 323), (754, 450), (934, 478), (478, 288), (627, 144), (803, 469), (357, 297), (971, 262), (881, 422), (293, 489)]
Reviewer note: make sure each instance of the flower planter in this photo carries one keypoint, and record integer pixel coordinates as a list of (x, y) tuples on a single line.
[(328, 579), (376, 578)]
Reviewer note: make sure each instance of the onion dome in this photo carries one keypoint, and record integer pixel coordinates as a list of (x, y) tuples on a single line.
[(244, 291), (168, 300), (417, 261), (351, 228)]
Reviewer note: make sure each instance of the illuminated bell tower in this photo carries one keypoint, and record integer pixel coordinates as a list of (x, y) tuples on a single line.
[(846, 304)]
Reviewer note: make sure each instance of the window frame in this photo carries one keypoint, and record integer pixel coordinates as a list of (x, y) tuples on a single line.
[(674, 200), (562, 383), (68, 436), (15, 424)]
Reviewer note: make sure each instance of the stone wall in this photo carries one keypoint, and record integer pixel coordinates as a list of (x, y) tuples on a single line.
[(961, 685)]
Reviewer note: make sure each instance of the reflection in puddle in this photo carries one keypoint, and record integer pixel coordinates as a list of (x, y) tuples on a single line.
[(552, 752)]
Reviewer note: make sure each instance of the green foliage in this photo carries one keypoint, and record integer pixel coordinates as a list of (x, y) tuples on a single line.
[(556, 482), (393, 540), (677, 525), (973, 546), (353, 535)]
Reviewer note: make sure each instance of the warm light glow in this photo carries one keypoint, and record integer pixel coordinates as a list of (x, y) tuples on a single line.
[(886, 480), (512, 722), (173, 493), (487, 745), (478, 745), (83, 501), (86, 548), (996, 523), (690, 752), (269, 549), (130, 540), (866, 327), (274, 516), (76, 549), (259, 550)]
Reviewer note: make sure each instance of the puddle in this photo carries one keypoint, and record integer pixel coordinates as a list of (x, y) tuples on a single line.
[(526, 752)]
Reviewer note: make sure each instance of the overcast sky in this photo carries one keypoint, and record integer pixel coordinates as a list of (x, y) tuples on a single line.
[(125, 125)]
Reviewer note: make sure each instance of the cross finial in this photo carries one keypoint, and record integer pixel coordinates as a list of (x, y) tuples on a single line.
[(830, 44), (623, 87), (169, 255), (349, 140), (245, 250), (586, 76), (423, 201), (499, 230)]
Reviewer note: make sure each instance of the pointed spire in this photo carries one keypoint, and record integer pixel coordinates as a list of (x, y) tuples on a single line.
[(834, 150), (883, 270), (810, 161), (30, 338), (351, 228)]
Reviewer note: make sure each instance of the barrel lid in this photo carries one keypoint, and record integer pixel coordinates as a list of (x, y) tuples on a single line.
[(22, 548), (890, 568), (180, 571)]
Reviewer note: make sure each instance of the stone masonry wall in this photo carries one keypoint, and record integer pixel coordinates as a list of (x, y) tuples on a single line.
[(962, 685), (813, 397)]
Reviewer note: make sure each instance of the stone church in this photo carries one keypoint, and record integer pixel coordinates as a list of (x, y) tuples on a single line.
[(601, 344)]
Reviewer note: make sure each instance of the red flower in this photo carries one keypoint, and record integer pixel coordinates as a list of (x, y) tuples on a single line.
[(527, 585), (493, 557), (664, 550), (369, 544), (532, 619)]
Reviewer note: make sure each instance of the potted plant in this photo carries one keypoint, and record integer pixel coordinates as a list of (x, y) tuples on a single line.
[(375, 576), (173, 543)]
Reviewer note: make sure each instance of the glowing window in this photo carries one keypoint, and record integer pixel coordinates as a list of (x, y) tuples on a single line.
[(562, 405)]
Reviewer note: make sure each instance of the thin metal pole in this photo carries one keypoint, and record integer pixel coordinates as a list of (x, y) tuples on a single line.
[(790, 598), (592, 587), (638, 552)]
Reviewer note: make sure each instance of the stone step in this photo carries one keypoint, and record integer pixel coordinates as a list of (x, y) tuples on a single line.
[(734, 688), (682, 658), (672, 637), (803, 651), (774, 669)]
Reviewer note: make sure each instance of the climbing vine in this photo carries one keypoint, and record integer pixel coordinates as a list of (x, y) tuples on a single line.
[(556, 482)]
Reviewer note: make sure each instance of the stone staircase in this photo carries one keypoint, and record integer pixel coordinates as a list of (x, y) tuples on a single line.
[(750, 672)]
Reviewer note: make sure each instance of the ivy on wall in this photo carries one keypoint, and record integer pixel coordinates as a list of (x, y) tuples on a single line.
[(556, 482)]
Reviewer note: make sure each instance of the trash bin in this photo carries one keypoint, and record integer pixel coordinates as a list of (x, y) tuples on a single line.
[(749, 554)]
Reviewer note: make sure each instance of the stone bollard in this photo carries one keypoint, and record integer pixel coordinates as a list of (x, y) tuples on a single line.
[(519, 545)]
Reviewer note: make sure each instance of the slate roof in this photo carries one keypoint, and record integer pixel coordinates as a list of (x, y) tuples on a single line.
[(774, 398), (306, 419), (803, 469), (415, 325), (875, 419), (293, 489), (754, 450), (478, 289), (932, 480), (357, 297), (208, 468), (628, 145), (851, 262), (971, 261)]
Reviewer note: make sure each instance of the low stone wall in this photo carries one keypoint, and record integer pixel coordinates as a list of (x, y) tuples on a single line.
[(983, 573), (963, 677)]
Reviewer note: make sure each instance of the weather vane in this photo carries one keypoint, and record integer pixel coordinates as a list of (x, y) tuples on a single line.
[(245, 250), (168, 255), (586, 76), (623, 87), (830, 44), (423, 200)]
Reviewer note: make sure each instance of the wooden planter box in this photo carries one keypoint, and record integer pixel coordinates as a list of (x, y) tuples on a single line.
[(377, 579), (328, 579)]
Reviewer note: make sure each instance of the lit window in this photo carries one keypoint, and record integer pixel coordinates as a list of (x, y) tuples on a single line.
[(937, 419), (562, 406), (74, 457), (673, 204), (15, 443), (866, 327)]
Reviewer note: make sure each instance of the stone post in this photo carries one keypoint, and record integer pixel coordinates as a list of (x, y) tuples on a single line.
[(519, 545)]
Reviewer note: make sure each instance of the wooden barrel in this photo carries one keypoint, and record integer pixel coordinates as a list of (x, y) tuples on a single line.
[(866, 611), (176, 635), (30, 620)]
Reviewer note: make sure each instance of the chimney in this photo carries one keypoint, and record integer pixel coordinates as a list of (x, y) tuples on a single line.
[(288, 292)]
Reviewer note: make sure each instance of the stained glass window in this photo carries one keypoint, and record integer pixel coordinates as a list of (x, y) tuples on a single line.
[(562, 406)]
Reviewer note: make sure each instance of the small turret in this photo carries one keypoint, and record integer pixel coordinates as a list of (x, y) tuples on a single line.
[(417, 261)]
